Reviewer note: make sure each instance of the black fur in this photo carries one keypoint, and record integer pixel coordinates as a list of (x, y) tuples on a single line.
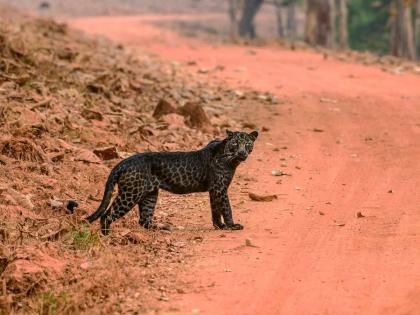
[(140, 177)]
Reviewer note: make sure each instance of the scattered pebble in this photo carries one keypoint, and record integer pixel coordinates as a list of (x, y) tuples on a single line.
[(279, 173), (327, 100), (56, 203)]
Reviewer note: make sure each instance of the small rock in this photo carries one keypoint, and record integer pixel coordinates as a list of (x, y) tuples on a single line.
[(203, 70), (279, 173), (239, 94), (87, 156), (107, 153), (262, 97), (56, 204), (321, 213)]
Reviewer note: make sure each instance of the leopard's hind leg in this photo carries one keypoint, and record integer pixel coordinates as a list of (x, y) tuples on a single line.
[(146, 209), (123, 203)]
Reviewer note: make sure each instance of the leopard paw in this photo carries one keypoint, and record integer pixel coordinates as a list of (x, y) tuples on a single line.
[(219, 226), (235, 226)]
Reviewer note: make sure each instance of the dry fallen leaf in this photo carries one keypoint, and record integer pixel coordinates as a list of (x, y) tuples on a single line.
[(359, 215), (263, 198)]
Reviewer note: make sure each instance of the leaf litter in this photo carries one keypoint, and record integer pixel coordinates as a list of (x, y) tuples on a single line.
[(71, 107)]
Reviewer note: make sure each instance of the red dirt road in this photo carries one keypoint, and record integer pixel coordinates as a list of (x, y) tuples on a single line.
[(350, 137)]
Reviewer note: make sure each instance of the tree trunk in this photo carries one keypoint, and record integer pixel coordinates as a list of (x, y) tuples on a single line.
[(233, 9), (311, 22), (279, 15), (417, 30), (402, 35), (291, 21), (320, 22), (246, 25), (343, 37), (331, 29)]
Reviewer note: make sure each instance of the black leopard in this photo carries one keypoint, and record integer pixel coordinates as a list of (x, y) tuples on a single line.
[(140, 177)]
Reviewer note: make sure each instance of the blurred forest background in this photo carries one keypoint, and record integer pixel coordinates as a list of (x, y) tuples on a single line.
[(381, 26), (384, 27)]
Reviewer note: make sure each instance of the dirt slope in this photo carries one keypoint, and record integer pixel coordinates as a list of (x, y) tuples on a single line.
[(71, 108), (342, 236)]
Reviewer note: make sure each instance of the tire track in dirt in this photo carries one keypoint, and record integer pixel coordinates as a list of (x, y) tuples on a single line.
[(314, 254)]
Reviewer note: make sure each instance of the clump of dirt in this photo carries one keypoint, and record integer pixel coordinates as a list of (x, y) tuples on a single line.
[(195, 115), (163, 108), (71, 108)]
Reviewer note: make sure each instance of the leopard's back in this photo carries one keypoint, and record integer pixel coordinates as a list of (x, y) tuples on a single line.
[(181, 172)]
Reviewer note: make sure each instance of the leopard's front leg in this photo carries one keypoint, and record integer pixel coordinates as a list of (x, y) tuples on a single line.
[(220, 206)]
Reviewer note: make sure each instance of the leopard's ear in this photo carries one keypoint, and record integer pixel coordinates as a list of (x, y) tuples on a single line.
[(254, 135), (229, 133)]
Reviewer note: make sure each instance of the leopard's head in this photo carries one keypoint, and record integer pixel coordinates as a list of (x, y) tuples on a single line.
[(238, 145)]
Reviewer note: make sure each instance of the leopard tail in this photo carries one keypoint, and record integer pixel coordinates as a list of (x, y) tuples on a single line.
[(109, 188)]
